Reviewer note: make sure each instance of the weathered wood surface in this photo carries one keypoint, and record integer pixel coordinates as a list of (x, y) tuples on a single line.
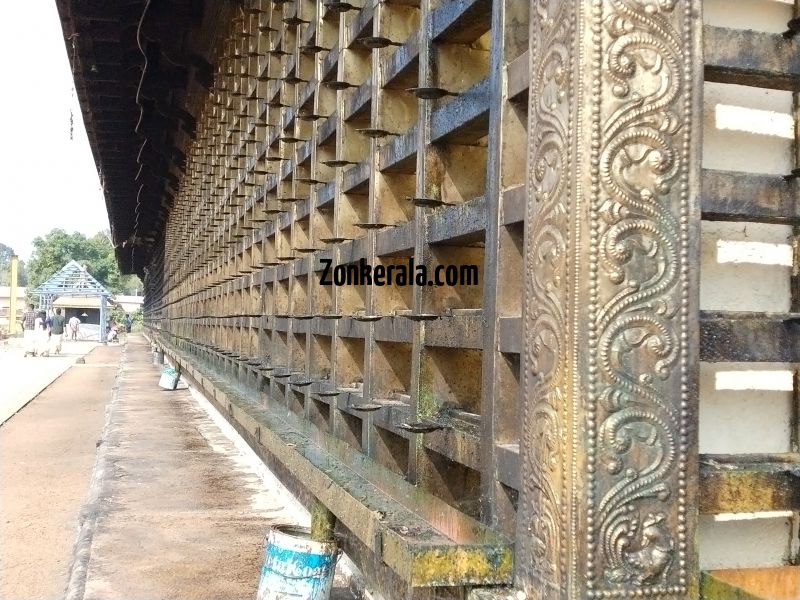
[(749, 337), (751, 483), (737, 196), (747, 57)]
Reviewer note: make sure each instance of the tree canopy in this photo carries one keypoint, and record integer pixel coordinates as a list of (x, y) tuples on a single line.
[(5, 267), (57, 248)]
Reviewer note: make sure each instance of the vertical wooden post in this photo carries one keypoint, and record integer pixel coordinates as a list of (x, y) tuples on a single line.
[(794, 300), (608, 497), (420, 469), (12, 301)]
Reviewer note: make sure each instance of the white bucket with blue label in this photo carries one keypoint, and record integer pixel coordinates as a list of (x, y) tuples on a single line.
[(295, 566), (169, 378)]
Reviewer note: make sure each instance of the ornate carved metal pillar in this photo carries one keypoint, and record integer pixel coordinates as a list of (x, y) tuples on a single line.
[(609, 475)]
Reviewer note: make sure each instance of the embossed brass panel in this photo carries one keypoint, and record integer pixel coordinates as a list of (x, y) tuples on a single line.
[(609, 365)]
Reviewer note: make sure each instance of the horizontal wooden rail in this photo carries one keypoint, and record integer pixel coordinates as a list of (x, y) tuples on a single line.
[(749, 337), (754, 58), (737, 196), (733, 483), (424, 541)]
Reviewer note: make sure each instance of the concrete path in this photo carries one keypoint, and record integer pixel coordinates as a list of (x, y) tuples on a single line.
[(176, 510), (47, 451), (164, 500), (21, 379)]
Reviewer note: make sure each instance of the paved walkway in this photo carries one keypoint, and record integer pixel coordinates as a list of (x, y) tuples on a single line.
[(173, 515), (21, 379), (47, 451), (163, 503)]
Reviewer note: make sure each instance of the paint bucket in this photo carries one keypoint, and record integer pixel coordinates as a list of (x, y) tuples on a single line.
[(295, 566), (169, 378)]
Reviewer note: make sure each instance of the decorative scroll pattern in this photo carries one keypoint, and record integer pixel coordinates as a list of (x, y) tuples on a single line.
[(638, 273), (544, 502), (606, 372)]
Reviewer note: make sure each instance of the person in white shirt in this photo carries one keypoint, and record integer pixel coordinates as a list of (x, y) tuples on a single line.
[(74, 327), (42, 336)]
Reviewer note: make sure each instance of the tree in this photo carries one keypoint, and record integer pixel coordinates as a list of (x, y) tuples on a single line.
[(5, 267), (96, 253)]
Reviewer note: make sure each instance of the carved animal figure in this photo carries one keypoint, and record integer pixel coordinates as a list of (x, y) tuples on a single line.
[(655, 554)]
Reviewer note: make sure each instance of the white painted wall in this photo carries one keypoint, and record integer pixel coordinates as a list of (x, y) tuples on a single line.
[(745, 408)]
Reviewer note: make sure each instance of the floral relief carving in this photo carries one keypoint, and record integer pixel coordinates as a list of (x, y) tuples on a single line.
[(637, 220), (606, 373), (543, 528)]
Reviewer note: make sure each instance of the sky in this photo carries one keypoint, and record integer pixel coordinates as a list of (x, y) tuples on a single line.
[(48, 180)]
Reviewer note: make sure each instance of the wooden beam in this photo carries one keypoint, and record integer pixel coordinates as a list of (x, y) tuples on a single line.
[(465, 119), (737, 196), (518, 78), (749, 483), (755, 58), (749, 337), (461, 21)]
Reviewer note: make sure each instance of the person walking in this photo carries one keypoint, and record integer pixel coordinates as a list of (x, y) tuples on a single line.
[(127, 325), (57, 330), (41, 334), (29, 331), (74, 326)]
